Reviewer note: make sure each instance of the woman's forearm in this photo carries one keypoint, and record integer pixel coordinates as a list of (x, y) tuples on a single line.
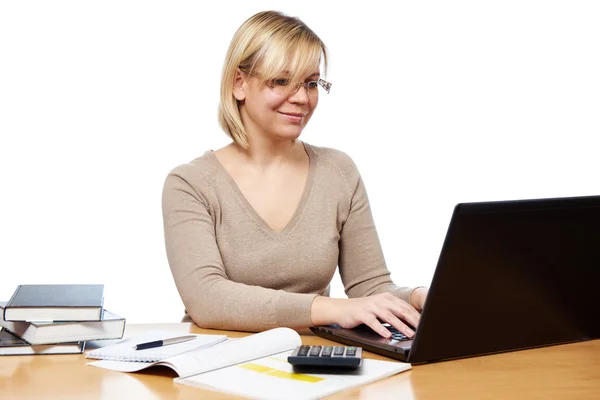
[(323, 310)]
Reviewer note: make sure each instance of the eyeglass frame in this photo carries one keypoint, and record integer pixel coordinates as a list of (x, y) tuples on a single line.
[(321, 82)]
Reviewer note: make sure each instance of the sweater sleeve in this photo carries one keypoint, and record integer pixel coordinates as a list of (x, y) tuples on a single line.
[(211, 299), (361, 262)]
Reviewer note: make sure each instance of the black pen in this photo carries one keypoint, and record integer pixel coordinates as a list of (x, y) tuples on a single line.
[(164, 342)]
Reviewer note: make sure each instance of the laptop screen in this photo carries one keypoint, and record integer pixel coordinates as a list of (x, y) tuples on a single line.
[(513, 275)]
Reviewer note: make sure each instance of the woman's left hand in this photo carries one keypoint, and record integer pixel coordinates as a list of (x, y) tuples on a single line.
[(418, 297)]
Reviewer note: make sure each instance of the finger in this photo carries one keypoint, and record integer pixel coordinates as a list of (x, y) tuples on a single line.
[(374, 324), (405, 311), (394, 321)]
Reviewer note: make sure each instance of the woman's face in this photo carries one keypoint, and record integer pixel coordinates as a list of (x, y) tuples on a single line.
[(275, 113)]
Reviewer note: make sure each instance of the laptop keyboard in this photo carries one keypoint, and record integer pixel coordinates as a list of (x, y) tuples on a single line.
[(396, 334)]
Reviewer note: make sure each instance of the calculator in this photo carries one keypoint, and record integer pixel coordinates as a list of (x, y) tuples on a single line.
[(326, 356)]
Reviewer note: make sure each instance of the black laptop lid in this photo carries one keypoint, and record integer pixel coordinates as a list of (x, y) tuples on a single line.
[(514, 275)]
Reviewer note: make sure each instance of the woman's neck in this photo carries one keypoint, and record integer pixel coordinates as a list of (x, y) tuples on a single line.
[(266, 153)]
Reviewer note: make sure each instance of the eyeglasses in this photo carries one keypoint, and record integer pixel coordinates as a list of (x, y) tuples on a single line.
[(284, 87)]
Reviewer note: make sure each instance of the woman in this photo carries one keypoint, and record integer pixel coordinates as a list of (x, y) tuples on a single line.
[(254, 231)]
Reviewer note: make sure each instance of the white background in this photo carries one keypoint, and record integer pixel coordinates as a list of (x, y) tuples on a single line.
[(438, 102)]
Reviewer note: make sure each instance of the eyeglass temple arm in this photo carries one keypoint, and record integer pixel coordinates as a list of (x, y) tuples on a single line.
[(326, 85)]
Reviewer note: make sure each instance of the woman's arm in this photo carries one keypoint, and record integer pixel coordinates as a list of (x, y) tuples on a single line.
[(373, 295), (211, 299), (361, 261)]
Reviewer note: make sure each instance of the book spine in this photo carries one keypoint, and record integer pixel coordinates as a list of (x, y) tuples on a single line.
[(9, 304), (123, 327)]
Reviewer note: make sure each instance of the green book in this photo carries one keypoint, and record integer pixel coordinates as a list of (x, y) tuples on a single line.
[(55, 303)]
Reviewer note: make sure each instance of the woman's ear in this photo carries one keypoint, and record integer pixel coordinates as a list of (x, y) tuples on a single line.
[(239, 85)]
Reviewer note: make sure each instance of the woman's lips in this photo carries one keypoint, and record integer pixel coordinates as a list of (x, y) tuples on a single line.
[(294, 117)]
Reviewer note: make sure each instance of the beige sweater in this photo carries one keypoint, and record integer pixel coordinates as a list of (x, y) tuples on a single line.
[(234, 272)]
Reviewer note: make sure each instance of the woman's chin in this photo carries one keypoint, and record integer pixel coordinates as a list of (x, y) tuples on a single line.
[(289, 134)]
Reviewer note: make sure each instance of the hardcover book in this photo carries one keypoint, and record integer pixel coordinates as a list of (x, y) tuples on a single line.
[(11, 345), (110, 327), (55, 303)]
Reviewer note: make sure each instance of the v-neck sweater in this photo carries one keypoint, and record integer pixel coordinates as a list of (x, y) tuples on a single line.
[(234, 272)]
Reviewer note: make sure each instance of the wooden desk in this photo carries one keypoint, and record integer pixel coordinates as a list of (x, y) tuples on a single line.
[(563, 372)]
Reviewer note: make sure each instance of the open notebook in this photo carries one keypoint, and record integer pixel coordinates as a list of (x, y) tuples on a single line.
[(123, 350), (256, 366)]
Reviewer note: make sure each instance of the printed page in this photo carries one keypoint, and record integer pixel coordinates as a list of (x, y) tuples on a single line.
[(269, 377)]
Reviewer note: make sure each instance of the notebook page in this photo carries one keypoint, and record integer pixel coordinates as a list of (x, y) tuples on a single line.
[(236, 351), (123, 351), (230, 352)]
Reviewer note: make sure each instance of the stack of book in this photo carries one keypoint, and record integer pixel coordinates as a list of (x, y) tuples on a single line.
[(56, 319)]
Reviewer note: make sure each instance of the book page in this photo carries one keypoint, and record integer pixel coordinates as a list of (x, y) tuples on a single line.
[(237, 351), (222, 355), (269, 377)]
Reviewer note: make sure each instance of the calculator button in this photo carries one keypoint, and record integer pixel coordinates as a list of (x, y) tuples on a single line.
[(327, 351), (325, 357), (315, 351), (303, 351)]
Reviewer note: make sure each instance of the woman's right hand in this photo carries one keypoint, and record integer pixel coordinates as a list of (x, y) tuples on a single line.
[(372, 311)]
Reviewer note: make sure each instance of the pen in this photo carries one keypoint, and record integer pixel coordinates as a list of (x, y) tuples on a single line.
[(164, 342)]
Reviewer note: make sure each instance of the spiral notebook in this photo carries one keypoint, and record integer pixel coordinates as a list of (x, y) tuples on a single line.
[(123, 350)]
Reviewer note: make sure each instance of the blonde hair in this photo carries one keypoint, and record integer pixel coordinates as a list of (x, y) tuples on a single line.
[(280, 45)]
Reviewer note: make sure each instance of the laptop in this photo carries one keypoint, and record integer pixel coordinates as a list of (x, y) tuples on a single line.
[(511, 275)]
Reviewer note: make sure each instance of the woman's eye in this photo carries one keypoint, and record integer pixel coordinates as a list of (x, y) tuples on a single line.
[(312, 85), (281, 82)]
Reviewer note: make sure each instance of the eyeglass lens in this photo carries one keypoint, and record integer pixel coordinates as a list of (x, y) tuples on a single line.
[(284, 87)]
